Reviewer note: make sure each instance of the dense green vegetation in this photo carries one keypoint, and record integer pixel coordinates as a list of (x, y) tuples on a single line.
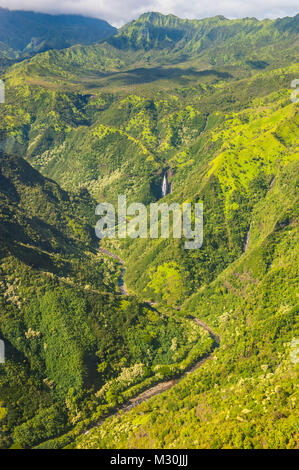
[(67, 331), (206, 102), (246, 396)]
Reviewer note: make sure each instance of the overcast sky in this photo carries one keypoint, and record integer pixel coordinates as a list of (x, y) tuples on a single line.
[(118, 12)]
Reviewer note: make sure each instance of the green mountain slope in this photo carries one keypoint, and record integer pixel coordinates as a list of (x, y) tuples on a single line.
[(153, 31), (159, 40), (246, 396), (67, 331), (207, 103)]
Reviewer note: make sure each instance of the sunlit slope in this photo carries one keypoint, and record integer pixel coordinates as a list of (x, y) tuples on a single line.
[(230, 168), (245, 397), (221, 142), (128, 136)]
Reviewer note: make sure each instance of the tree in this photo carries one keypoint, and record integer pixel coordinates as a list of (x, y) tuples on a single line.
[(168, 280)]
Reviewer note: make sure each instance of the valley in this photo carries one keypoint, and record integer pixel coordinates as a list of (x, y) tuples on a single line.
[(140, 343)]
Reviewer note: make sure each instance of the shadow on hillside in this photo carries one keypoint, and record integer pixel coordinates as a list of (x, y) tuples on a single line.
[(145, 75)]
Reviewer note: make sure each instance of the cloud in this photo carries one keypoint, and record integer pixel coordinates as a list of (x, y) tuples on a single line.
[(119, 12)]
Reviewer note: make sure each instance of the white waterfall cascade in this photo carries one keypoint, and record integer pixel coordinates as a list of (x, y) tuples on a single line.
[(164, 185), (247, 239)]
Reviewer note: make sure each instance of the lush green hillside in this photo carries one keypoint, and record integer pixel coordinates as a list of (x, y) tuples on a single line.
[(240, 46), (229, 167), (67, 331), (189, 38), (206, 102), (246, 396), (65, 108)]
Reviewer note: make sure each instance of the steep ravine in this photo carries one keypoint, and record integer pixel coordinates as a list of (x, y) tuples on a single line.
[(162, 386)]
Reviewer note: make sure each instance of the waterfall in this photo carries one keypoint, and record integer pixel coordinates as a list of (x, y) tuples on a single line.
[(272, 182), (247, 238), (164, 188)]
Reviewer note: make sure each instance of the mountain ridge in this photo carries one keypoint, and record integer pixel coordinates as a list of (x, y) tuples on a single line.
[(211, 43), (27, 32)]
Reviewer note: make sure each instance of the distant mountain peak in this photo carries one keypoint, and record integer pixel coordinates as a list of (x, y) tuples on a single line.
[(29, 32), (154, 15)]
